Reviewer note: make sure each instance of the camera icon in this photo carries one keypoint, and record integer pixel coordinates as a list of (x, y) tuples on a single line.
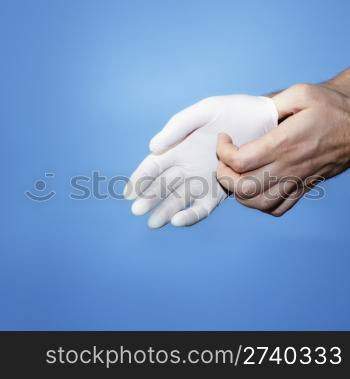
[(40, 186)]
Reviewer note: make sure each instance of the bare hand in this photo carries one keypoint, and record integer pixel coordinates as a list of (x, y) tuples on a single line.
[(312, 142)]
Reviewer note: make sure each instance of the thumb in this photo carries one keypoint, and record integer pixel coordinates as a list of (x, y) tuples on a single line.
[(180, 126), (225, 149)]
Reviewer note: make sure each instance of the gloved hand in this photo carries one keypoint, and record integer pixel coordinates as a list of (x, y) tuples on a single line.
[(180, 172)]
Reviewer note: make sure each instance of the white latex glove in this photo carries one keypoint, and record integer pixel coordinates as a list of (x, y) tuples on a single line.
[(181, 170)]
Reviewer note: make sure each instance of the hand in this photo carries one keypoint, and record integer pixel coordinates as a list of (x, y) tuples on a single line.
[(312, 142), (184, 173)]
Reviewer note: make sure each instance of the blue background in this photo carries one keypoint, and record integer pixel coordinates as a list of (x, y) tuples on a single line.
[(84, 86)]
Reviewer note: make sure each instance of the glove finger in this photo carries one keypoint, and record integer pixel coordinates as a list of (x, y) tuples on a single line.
[(159, 190), (149, 169), (190, 216), (181, 125), (174, 203)]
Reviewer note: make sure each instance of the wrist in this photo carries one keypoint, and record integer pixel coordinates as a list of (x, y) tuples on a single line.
[(340, 83), (338, 87)]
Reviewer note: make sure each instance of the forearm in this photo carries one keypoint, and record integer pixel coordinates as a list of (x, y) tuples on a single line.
[(340, 83)]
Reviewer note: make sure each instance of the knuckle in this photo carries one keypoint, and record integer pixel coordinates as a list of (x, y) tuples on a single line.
[(264, 204), (237, 163), (227, 155), (227, 182), (304, 89), (229, 158), (246, 188)]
